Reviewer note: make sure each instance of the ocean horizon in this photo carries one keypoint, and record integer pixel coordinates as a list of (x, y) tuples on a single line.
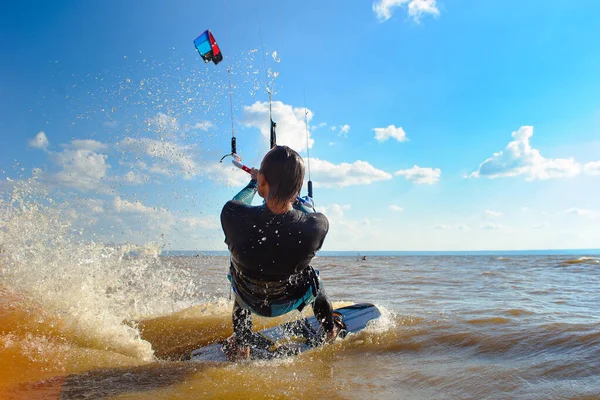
[(383, 253)]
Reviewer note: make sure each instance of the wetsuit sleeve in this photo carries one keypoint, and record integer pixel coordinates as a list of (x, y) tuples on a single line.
[(230, 216), (247, 194)]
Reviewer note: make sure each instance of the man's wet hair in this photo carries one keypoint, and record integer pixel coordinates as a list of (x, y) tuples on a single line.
[(283, 169)]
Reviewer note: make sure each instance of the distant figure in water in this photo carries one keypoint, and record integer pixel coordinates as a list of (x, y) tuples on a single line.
[(271, 248), (364, 258)]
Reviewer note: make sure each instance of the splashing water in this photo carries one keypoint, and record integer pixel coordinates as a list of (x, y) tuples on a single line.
[(62, 282), (80, 290)]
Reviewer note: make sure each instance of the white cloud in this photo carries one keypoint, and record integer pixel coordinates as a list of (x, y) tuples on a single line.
[(344, 129), (416, 8), (582, 212), (291, 128), (225, 173), (81, 166), (94, 205), (87, 145), (592, 168), (421, 175), (465, 227), (335, 210), (133, 207), (345, 232), (383, 134), (492, 213), (519, 158), (204, 222), (40, 141), (148, 222), (203, 125), (456, 227), (491, 226), (327, 174), (134, 178), (395, 208), (168, 156)]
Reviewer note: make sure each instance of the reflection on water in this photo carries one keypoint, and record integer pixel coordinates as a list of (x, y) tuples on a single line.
[(110, 382)]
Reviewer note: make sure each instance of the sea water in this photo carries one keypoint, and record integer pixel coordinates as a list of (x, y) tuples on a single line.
[(80, 319)]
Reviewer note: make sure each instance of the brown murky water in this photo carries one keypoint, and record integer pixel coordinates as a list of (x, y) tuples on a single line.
[(468, 327)]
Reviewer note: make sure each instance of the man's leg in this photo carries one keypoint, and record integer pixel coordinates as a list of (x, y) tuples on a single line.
[(236, 347), (242, 323), (323, 310)]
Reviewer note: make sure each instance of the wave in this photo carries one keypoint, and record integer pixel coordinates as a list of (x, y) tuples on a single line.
[(513, 340), (583, 260), (490, 320), (518, 312), (66, 301)]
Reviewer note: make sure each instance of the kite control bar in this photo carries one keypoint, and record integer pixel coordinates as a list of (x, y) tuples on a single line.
[(237, 161)]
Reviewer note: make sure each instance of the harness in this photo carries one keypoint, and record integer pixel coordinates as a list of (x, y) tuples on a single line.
[(276, 308)]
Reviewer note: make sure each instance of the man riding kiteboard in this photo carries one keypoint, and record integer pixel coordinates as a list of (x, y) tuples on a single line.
[(271, 248)]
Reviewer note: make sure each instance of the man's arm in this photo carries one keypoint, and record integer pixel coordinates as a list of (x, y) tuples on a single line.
[(246, 195)]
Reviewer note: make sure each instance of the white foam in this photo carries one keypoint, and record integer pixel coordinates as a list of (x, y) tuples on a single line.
[(386, 322), (91, 288)]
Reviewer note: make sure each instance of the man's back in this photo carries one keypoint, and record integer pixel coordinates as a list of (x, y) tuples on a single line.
[(271, 247)]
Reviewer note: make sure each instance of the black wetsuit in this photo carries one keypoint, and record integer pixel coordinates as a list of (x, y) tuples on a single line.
[(270, 257)]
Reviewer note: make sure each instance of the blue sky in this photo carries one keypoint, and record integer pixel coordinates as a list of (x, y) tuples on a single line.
[(434, 125)]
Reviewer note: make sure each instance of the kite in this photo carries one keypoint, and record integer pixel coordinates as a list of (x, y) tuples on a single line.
[(208, 48)]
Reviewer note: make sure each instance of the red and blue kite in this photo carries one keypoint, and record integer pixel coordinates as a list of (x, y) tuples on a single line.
[(208, 48)]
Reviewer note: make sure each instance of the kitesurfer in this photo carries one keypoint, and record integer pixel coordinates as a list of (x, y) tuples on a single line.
[(271, 248)]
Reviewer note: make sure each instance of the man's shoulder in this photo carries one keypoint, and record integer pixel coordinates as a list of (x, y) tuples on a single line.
[(234, 207), (318, 220), (233, 204), (318, 216)]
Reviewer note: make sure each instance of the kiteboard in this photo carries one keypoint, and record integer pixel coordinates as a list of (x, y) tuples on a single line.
[(292, 338)]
